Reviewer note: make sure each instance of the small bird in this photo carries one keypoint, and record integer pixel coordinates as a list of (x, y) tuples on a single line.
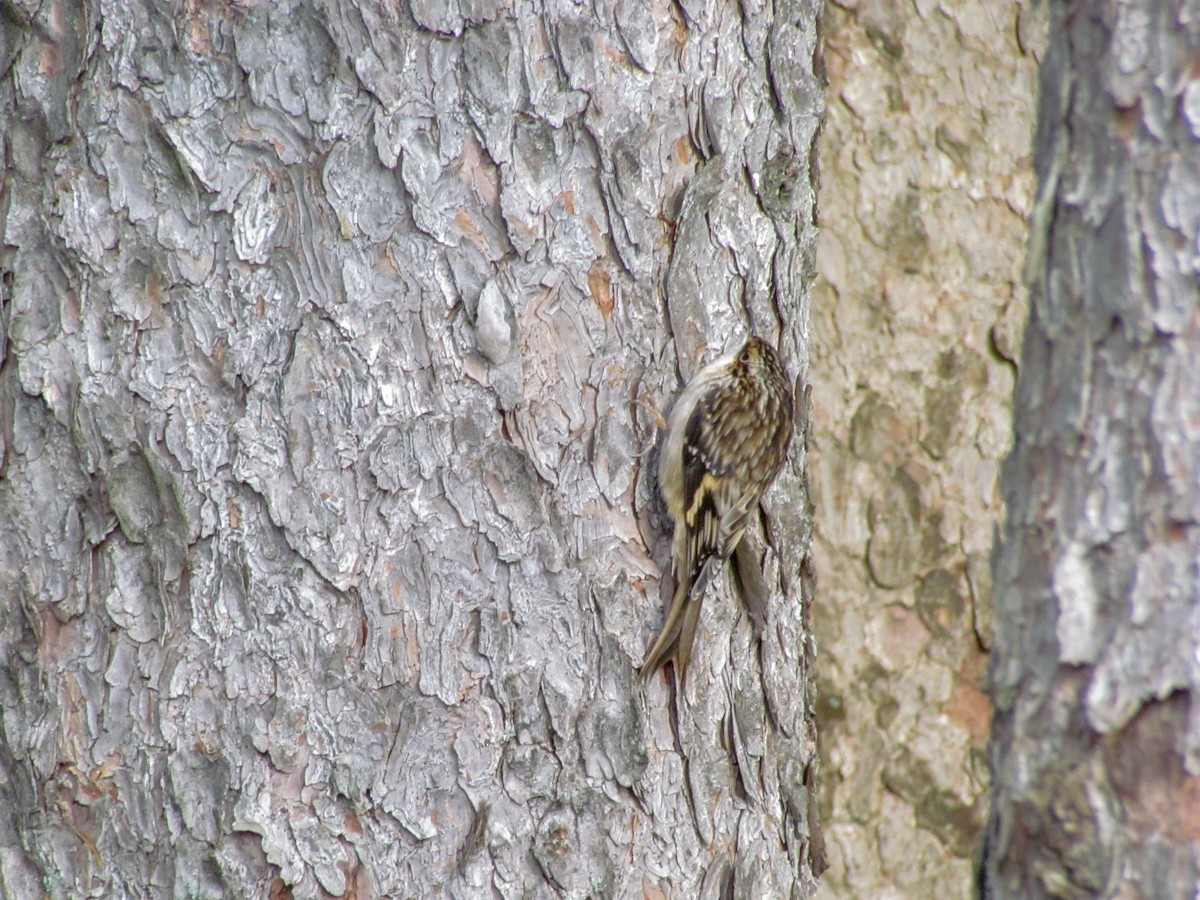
[(727, 438)]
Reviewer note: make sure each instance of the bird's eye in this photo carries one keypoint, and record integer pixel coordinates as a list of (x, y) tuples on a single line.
[(746, 356)]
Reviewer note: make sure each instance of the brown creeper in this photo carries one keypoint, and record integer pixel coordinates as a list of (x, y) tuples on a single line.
[(727, 438)]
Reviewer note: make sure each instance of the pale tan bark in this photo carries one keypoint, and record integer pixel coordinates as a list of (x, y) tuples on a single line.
[(926, 186)]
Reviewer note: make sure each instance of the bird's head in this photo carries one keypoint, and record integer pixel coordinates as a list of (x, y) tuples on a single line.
[(756, 356)]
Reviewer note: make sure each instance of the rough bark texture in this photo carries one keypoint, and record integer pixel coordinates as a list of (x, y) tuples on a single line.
[(334, 336), (926, 185), (1095, 755)]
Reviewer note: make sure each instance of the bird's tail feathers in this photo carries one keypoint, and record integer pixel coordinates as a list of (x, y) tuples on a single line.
[(687, 631), (679, 630), (712, 566), (666, 647)]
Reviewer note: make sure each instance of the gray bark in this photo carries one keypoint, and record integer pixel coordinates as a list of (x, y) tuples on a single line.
[(334, 338), (1095, 752)]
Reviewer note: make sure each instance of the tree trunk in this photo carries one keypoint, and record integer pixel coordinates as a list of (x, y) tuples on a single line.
[(1095, 755), (335, 341), (926, 183)]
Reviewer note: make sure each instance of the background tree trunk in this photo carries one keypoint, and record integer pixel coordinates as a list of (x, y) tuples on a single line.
[(1095, 755), (334, 338), (926, 182)]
